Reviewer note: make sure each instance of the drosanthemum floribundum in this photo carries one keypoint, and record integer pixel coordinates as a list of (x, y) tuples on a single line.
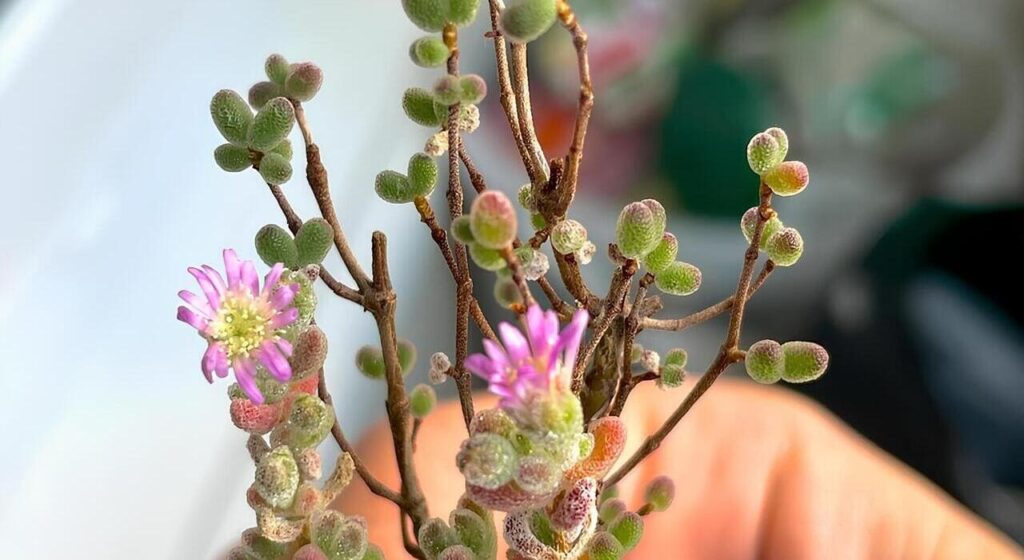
[(540, 361), (241, 322)]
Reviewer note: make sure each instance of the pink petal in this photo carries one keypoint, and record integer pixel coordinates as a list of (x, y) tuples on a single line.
[(245, 373), (570, 339), (480, 365), (516, 346), (250, 280), (272, 277), (197, 303), (283, 296), (285, 346), (216, 279), (284, 318), (211, 360), (220, 365), (186, 315), (495, 352), (233, 268), (209, 288), (275, 363)]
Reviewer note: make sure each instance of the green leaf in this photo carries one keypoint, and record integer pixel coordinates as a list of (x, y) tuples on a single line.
[(313, 241), (232, 158), (231, 115), (275, 245), (272, 124)]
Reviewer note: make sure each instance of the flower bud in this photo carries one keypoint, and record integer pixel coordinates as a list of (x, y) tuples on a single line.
[(418, 105), (663, 255), (537, 221), (231, 115), (604, 546), (370, 361), (305, 301), (277, 68), (472, 89), (339, 536), (262, 92), (493, 220), (304, 81), (461, 230), (492, 421), (487, 460), (671, 376), (447, 90), (748, 224), (393, 187), (785, 247), (422, 400), (487, 259), (765, 361), (406, 355), (257, 447), (275, 169), (435, 536), (429, 52), (422, 174), (679, 279), (271, 124), (277, 477), (523, 21), (440, 363), (628, 528), (640, 228), (763, 153), (232, 158), (804, 361), (344, 469), (788, 178), (780, 136), (659, 493), (568, 236)]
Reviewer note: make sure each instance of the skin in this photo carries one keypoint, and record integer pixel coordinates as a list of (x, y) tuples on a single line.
[(760, 473)]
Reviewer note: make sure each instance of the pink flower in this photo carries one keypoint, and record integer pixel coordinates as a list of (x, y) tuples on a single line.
[(241, 322), (540, 361)]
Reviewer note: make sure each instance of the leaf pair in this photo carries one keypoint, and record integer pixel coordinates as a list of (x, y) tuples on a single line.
[(310, 245), (396, 188)]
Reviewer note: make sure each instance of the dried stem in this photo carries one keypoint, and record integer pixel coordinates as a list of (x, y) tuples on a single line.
[(294, 223), (612, 307), (709, 312), (517, 275), (408, 539), (382, 302), (521, 88), (316, 175), (632, 326), (570, 177), (475, 177), (463, 281), (375, 486), (727, 355)]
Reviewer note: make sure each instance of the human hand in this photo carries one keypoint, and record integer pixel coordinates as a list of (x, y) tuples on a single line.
[(760, 473)]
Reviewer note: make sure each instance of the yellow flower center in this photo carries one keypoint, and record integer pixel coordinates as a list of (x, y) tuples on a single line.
[(242, 324)]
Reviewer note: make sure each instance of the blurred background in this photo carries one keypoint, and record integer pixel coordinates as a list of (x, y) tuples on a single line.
[(909, 113)]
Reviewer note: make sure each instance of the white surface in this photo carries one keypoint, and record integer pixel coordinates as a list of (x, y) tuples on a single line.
[(114, 447)]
